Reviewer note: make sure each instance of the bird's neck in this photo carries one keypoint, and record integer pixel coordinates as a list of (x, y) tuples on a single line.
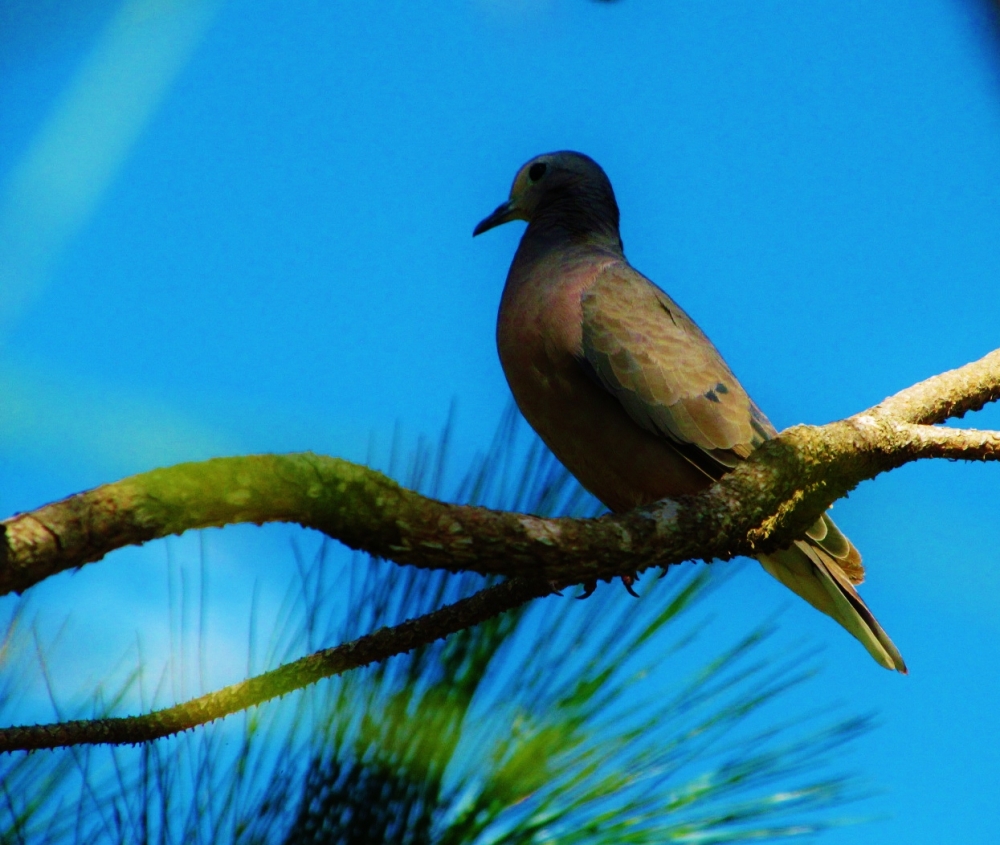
[(569, 224), (547, 256)]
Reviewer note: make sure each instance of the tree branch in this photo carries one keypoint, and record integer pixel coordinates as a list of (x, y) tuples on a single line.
[(761, 506), (946, 396), (382, 644), (958, 444)]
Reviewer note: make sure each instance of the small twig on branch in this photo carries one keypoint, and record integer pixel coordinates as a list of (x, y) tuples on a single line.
[(955, 443), (372, 648)]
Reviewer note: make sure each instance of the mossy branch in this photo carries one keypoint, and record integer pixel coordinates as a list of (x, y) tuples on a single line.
[(761, 506)]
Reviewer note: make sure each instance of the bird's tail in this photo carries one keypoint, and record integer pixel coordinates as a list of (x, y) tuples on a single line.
[(812, 572)]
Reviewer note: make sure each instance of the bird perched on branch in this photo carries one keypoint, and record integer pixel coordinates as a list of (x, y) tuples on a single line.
[(626, 390)]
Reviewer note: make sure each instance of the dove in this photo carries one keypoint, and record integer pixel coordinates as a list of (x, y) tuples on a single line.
[(626, 390)]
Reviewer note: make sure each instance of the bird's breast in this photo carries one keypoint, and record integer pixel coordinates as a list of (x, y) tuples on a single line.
[(541, 316), (539, 338)]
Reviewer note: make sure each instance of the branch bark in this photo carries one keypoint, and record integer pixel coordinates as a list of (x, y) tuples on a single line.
[(372, 648), (761, 506)]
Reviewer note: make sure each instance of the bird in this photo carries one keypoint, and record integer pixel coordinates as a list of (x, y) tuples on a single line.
[(624, 387)]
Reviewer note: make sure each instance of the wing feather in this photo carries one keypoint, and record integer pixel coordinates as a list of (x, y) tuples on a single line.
[(664, 370), (671, 380)]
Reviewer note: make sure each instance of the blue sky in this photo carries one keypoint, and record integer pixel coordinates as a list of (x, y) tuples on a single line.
[(233, 227)]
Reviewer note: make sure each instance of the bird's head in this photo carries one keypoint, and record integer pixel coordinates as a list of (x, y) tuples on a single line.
[(564, 185)]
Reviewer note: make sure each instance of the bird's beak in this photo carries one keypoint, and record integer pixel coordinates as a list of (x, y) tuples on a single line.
[(504, 214)]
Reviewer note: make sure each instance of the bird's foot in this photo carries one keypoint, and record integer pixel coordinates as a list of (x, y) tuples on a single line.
[(628, 581), (588, 589)]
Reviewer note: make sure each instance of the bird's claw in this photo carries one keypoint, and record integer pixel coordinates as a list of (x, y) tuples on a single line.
[(590, 586)]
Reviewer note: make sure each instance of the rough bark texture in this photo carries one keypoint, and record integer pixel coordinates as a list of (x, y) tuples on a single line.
[(759, 507)]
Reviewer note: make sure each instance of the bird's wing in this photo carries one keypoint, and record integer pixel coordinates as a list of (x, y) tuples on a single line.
[(671, 380), (642, 347)]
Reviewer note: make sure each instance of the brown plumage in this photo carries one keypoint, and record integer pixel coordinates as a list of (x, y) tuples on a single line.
[(624, 387)]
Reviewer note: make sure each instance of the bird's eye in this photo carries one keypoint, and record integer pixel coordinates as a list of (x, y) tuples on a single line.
[(537, 171)]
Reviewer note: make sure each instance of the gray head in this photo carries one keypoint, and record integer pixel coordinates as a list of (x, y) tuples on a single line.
[(561, 194)]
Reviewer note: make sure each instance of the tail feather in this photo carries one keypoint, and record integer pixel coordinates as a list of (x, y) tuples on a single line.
[(810, 571), (825, 534)]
